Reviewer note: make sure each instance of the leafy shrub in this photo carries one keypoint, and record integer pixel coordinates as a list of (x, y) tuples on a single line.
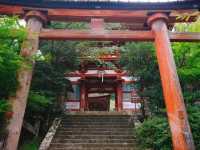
[(154, 132), (9, 63), (30, 145), (38, 102), (194, 119), (4, 107), (12, 35)]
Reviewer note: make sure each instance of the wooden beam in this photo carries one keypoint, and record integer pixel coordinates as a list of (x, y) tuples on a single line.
[(184, 36), (11, 10), (60, 34), (91, 35), (176, 111), (107, 15), (131, 16)]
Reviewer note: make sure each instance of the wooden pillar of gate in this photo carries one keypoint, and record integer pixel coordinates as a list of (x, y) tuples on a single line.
[(176, 111), (30, 46)]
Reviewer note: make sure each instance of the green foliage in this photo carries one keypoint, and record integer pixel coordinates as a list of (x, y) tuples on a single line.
[(30, 145), (154, 132), (12, 28), (11, 36), (191, 97), (38, 102), (191, 27), (9, 64), (187, 57), (94, 54), (4, 107), (69, 25), (140, 60), (194, 119)]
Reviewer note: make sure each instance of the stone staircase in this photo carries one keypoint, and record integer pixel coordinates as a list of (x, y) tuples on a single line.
[(94, 131)]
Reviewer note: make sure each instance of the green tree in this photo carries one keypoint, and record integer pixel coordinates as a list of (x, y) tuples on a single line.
[(140, 60), (11, 37)]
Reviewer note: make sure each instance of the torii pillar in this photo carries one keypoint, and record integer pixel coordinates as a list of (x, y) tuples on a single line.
[(176, 111), (35, 21)]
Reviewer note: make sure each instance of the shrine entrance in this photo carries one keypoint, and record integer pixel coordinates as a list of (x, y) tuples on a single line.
[(101, 95), (98, 102), (98, 94)]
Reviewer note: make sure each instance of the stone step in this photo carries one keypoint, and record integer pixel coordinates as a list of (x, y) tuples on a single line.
[(94, 126), (92, 131), (100, 132), (92, 145), (95, 129), (103, 131), (88, 135), (111, 135), (96, 117), (111, 141), (94, 122), (95, 148)]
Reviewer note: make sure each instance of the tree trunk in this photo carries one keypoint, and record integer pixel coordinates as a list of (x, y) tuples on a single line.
[(19, 101)]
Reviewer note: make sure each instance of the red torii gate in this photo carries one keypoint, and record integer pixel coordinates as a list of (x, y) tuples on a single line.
[(158, 21)]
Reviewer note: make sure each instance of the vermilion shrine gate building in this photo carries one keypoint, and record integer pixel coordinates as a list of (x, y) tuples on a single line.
[(93, 87), (144, 21)]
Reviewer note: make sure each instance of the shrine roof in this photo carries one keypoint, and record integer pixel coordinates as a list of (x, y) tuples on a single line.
[(108, 4)]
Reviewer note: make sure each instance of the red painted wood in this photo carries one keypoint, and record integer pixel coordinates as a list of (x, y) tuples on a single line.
[(176, 111), (133, 16), (118, 35), (119, 96), (11, 10), (91, 35), (97, 25), (116, 104), (130, 16)]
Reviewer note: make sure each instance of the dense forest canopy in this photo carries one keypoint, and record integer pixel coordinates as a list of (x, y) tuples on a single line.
[(58, 57)]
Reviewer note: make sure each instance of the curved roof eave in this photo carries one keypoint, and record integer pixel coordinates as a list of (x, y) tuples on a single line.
[(191, 4)]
